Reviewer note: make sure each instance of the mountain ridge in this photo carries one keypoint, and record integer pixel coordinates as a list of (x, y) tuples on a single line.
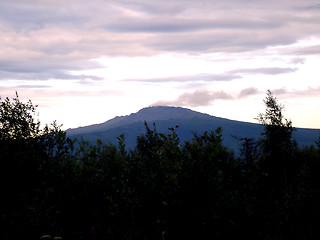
[(148, 114), (189, 121)]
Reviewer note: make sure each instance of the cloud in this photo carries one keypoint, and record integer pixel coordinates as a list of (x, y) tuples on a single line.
[(226, 76), (191, 78), (248, 92), (306, 50), (58, 36), (196, 99), (267, 71), (47, 93), (43, 75), (298, 60), (304, 93), (202, 97), (31, 86), (280, 91), (179, 24), (310, 92)]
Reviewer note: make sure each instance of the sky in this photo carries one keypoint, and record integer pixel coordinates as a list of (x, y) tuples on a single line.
[(85, 62)]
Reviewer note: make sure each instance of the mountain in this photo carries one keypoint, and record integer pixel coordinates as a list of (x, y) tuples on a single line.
[(189, 121)]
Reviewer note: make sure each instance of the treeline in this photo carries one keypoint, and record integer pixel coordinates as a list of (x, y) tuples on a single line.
[(162, 189)]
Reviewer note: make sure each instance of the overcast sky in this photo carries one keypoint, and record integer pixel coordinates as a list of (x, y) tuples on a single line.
[(85, 62)]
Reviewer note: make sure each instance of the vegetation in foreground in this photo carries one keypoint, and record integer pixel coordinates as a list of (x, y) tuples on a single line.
[(162, 189)]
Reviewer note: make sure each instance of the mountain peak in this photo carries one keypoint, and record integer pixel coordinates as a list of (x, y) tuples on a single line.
[(148, 114), (163, 113), (189, 121)]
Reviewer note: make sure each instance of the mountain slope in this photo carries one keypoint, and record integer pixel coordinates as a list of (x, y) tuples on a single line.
[(188, 121)]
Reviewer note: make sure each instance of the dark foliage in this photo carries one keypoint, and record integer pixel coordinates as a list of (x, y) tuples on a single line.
[(162, 189)]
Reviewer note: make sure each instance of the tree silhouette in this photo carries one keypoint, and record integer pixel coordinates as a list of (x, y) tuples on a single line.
[(17, 119), (162, 189), (277, 129), (277, 145)]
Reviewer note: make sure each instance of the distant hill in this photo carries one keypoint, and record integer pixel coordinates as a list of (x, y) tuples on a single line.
[(189, 121)]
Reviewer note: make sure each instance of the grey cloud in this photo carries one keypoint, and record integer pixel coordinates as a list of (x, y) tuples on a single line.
[(309, 92), (31, 86), (228, 76), (58, 36), (192, 78), (297, 60), (196, 99), (267, 71), (220, 41), (248, 91), (154, 26), (284, 92), (280, 91), (310, 50), (158, 8), (29, 17), (28, 75), (237, 35), (177, 25), (224, 77), (46, 92)]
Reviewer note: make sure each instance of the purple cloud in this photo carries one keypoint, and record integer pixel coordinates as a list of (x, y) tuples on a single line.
[(192, 78), (58, 36), (196, 99), (267, 71), (248, 92)]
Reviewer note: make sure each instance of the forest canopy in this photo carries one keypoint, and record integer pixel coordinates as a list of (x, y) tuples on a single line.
[(53, 186)]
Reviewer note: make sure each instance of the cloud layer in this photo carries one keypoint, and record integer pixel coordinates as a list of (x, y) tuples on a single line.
[(205, 97), (130, 53), (195, 99), (58, 36)]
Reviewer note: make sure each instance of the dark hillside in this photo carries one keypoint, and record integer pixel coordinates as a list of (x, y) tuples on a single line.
[(163, 189), (188, 121)]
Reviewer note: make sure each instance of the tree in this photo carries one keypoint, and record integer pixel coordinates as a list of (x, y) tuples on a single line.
[(31, 165), (277, 129), (19, 162), (277, 145), (17, 119)]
